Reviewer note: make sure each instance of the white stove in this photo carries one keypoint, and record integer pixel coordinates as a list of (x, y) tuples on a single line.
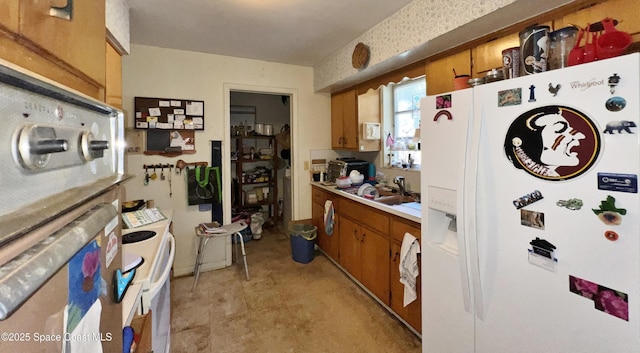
[(158, 253)]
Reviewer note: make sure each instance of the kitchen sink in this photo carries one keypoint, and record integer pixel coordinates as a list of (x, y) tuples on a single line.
[(395, 199)]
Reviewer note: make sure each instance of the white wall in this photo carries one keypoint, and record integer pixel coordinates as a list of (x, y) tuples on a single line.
[(166, 73)]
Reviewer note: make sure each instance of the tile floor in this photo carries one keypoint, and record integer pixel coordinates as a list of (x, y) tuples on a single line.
[(285, 307)]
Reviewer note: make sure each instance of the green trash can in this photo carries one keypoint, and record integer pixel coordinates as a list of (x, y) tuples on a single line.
[(302, 238)]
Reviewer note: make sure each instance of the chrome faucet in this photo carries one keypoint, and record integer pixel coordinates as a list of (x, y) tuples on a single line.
[(399, 180)]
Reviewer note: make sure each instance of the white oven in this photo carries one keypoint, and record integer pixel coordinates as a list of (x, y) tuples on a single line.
[(62, 164), (156, 245)]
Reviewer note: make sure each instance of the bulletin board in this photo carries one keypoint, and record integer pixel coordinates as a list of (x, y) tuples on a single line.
[(168, 114), (170, 124)]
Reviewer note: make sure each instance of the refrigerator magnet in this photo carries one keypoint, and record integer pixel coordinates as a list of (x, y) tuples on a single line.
[(542, 254), (443, 101), (607, 300), (554, 89), (619, 126), (532, 93), (618, 182), (553, 142), (608, 213), (572, 204), (527, 199), (510, 97), (441, 113), (611, 235), (532, 219), (543, 248), (615, 104), (613, 82)]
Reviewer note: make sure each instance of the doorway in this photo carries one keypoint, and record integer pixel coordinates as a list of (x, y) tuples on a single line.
[(264, 120)]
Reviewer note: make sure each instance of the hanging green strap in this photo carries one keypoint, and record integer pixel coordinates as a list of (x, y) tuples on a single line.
[(205, 181)]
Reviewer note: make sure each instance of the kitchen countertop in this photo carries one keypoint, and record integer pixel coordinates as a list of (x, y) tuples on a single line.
[(404, 210)]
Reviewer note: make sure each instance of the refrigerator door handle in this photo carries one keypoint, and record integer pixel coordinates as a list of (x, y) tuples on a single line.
[(462, 257), (462, 249), (469, 206)]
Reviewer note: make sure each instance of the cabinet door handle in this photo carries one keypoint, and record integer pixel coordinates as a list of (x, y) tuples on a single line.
[(65, 13), (396, 256), (363, 235)]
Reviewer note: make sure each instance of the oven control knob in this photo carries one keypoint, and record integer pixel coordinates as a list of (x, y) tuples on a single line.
[(92, 149), (35, 145)]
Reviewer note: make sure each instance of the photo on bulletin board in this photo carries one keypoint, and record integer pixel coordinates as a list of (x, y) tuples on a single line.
[(166, 114)]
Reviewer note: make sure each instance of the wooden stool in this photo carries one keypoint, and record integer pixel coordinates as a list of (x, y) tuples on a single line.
[(203, 238)]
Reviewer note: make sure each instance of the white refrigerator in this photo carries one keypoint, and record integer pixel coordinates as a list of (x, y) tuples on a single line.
[(531, 213)]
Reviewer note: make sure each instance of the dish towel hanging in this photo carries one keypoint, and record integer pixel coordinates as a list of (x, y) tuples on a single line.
[(409, 269), (328, 217)]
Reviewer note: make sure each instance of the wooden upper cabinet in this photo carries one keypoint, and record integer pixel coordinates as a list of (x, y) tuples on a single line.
[(369, 111), (344, 121), (78, 42), (9, 14), (336, 121), (348, 112), (113, 87), (626, 12), (440, 72)]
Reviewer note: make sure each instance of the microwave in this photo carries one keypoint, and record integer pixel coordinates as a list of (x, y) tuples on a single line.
[(344, 167)]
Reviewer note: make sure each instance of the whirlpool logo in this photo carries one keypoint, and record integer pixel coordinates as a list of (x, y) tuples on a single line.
[(583, 86)]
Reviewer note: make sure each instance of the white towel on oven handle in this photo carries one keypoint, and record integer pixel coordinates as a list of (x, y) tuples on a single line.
[(408, 267)]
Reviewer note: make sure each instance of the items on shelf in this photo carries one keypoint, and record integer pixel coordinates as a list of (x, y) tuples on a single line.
[(255, 176), (258, 174)]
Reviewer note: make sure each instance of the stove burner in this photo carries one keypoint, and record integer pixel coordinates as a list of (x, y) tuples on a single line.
[(137, 236)]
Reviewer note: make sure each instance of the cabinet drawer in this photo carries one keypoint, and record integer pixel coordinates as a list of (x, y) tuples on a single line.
[(367, 216), (318, 195), (398, 228)]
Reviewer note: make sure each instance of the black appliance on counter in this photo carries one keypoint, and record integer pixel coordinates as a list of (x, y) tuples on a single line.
[(344, 166)]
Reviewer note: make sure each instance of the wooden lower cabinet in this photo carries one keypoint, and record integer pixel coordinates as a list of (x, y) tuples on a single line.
[(350, 239), (374, 252), (412, 313), (366, 243), (364, 253)]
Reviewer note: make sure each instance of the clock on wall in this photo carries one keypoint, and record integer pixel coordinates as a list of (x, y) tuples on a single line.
[(360, 56)]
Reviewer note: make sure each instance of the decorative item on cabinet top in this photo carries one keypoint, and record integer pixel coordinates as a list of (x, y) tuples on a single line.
[(360, 56)]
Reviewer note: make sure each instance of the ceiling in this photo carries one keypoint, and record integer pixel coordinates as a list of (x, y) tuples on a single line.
[(298, 32)]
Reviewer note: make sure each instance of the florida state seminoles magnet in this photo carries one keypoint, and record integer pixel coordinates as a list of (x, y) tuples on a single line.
[(553, 142)]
